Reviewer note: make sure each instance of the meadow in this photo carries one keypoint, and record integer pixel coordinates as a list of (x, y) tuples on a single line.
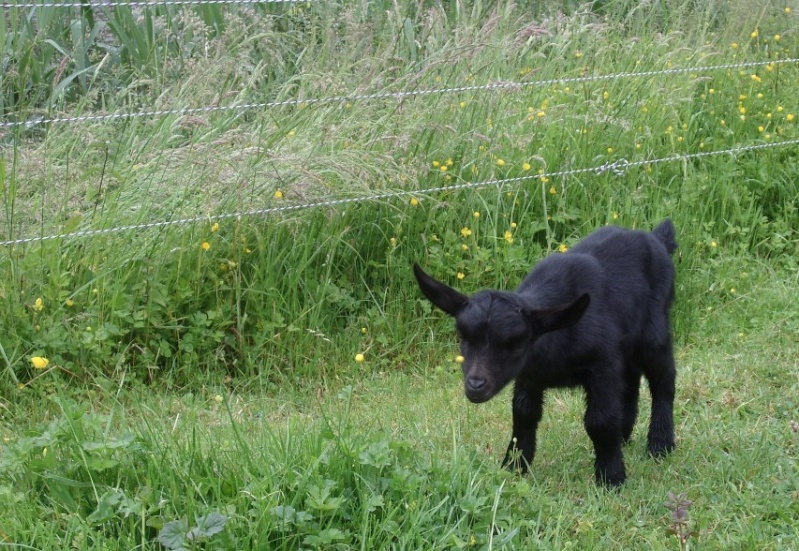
[(210, 332)]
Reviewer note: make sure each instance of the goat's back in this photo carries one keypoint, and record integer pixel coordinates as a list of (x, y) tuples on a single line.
[(629, 275)]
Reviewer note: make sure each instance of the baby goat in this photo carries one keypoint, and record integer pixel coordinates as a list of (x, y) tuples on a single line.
[(595, 317)]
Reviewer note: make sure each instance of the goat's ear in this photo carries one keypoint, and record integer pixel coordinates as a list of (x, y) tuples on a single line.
[(559, 317), (443, 296)]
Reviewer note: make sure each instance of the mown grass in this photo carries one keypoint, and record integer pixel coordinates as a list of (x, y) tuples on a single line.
[(201, 377)]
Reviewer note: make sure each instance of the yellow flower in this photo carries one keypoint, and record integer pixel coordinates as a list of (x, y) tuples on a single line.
[(552, 190), (450, 162), (393, 241), (734, 45), (459, 359), (500, 162), (615, 215), (39, 362), (38, 305), (414, 202), (443, 168), (714, 244), (464, 247), (711, 91), (205, 245), (526, 166), (508, 236), (578, 55), (461, 275), (466, 232), (436, 164), (462, 104), (562, 248), (754, 34), (278, 194), (359, 358), (476, 214), (364, 330), (789, 117), (732, 291), (610, 151), (756, 78), (513, 225), (605, 95), (215, 227), (787, 10), (69, 302)]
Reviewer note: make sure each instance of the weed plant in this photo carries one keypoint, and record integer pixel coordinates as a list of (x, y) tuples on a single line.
[(193, 384)]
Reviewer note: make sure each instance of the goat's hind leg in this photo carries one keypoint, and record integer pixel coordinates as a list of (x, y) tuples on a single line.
[(661, 375), (632, 386), (603, 422)]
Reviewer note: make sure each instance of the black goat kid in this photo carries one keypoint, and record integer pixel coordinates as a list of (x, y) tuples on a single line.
[(596, 317)]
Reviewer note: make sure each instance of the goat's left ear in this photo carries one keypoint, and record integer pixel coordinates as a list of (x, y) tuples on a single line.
[(443, 296), (559, 317)]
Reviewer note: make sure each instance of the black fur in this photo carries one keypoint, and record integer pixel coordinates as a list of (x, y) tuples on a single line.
[(596, 317)]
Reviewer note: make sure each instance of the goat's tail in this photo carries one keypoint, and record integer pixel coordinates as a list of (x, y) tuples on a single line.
[(666, 234)]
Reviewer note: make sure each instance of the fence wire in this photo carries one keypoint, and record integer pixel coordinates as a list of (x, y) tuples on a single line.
[(618, 167), (495, 86)]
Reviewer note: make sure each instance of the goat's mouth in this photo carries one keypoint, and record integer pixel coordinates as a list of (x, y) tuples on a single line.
[(478, 398), (478, 395)]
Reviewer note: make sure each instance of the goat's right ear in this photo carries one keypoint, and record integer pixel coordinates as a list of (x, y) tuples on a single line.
[(560, 317), (440, 294)]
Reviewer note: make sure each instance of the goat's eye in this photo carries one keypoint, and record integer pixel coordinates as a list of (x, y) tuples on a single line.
[(514, 341)]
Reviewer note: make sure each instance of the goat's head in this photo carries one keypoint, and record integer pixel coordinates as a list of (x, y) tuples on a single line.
[(496, 331)]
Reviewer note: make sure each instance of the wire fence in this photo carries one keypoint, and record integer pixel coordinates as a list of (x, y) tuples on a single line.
[(495, 86), (618, 167)]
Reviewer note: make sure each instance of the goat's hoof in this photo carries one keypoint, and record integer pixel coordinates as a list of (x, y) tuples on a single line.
[(659, 450), (516, 467), (611, 481)]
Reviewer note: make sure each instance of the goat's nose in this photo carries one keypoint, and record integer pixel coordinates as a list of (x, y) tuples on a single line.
[(475, 383)]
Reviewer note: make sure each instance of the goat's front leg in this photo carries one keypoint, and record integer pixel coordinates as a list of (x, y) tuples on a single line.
[(528, 405), (603, 422)]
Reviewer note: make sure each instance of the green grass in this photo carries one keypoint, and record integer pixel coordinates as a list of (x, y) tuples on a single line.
[(207, 369), (401, 460)]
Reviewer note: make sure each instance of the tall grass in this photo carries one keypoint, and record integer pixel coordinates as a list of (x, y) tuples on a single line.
[(269, 296)]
